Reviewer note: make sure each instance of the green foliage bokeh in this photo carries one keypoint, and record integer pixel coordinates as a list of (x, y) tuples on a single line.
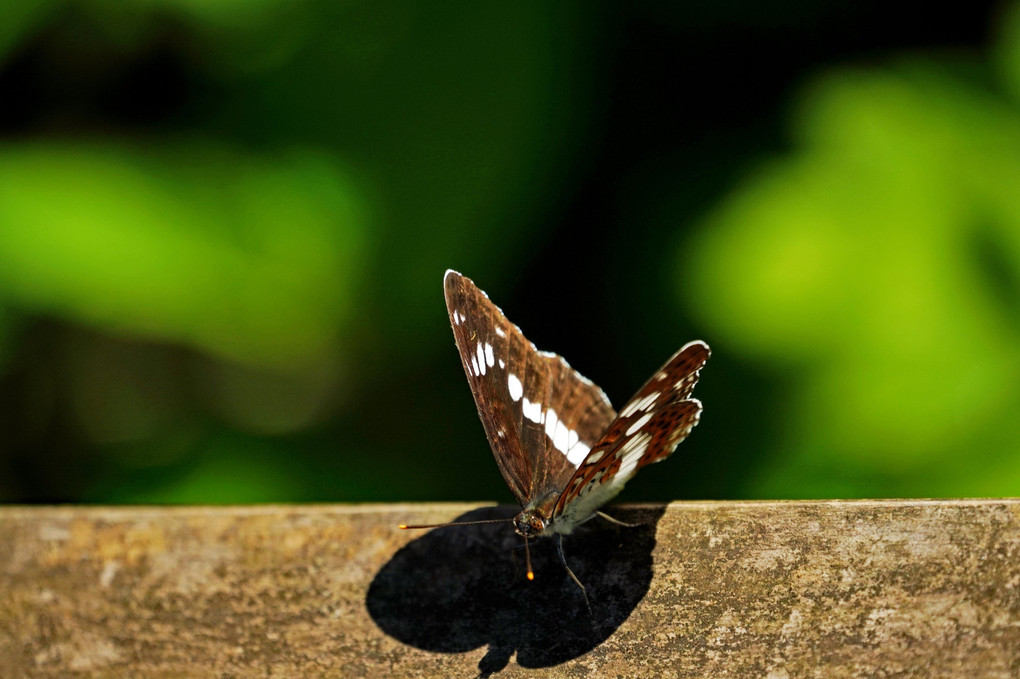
[(223, 228), (878, 261)]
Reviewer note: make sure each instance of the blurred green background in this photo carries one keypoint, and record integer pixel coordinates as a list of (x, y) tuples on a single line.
[(224, 225)]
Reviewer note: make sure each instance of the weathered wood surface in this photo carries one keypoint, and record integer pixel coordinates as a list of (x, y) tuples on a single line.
[(702, 589)]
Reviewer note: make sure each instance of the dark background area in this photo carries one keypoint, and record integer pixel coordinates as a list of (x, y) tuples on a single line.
[(224, 226)]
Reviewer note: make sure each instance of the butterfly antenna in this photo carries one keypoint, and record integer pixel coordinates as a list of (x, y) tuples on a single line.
[(527, 559), (405, 526)]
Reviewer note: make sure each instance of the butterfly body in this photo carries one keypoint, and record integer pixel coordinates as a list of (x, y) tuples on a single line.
[(561, 447)]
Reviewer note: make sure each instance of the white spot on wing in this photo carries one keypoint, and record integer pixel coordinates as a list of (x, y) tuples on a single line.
[(489, 359), (474, 365), (481, 359), (550, 426), (499, 331), (578, 451), (640, 404), (638, 424), (595, 457), (631, 452), (532, 411), (561, 437), (591, 496), (515, 387), (501, 363)]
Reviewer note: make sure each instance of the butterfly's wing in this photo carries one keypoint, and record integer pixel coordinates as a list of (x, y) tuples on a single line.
[(646, 430), (540, 415)]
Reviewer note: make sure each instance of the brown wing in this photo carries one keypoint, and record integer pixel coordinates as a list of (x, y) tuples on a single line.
[(541, 416), (646, 430)]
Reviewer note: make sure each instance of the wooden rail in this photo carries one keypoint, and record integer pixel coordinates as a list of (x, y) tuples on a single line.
[(700, 589)]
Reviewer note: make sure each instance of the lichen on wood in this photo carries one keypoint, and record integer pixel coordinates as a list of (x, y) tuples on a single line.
[(739, 589)]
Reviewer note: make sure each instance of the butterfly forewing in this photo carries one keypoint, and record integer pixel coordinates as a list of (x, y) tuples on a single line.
[(541, 417), (647, 429)]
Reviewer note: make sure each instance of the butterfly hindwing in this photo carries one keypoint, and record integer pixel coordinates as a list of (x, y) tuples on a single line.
[(541, 417), (646, 430)]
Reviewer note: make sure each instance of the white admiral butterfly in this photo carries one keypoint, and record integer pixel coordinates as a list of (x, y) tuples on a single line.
[(562, 449)]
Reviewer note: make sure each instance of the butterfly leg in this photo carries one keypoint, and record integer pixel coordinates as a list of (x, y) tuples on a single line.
[(517, 565), (617, 521), (563, 559)]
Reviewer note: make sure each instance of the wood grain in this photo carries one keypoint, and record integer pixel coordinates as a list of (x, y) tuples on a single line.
[(701, 589)]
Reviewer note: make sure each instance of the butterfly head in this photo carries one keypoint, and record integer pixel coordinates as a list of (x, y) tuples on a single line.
[(529, 523)]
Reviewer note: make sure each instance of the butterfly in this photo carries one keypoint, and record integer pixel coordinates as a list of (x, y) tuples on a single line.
[(562, 449)]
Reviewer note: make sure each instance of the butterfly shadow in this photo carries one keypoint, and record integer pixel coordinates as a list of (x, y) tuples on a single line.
[(456, 589)]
